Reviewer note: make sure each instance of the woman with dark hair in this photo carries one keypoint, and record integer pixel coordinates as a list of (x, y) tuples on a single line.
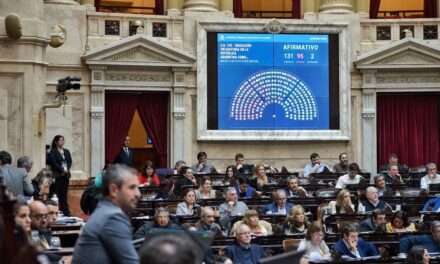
[(60, 162), (231, 176), (22, 217), (418, 255), (314, 244), (148, 175), (205, 190), (400, 223)]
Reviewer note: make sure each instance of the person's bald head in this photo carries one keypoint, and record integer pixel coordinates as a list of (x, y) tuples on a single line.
[(39, 213), (207, 215)]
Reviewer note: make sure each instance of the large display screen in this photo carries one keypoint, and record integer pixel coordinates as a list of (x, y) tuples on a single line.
[(270, 81)]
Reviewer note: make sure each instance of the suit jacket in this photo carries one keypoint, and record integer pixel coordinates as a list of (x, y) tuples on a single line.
[(274, 209), (365, 249), (16, 180), (56, 161), (407, 242), (236, 254), (123, 158), (106, 238)]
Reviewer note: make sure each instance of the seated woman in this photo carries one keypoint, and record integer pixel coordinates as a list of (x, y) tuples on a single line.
[(258, 227), (314, 244), (148, 176), (42, 183), (22, 217), (296, 221), (259, 178), (343, 204), (399, 223), (231, 176), (418, 255), (161, 220), (188, 207), (205, 190)]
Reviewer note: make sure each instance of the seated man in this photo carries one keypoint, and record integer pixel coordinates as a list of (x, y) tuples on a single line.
[(280, 206), (207, 222), (375, 223), (392, 176), (393, 159), (342, 165), (243, 252), (202, 166), (431, 177), (244, 190), (293, 189), (232, 207), (240, 165), (351, 245), (432, 205), (39, 225), (431, 242), (52, 212), (161, 220), (382, 188), (315, 166), (373, 202), (351, 178), (188, 180)]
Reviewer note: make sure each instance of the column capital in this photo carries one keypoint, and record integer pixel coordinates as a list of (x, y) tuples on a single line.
[(336, 6), (200, 5)]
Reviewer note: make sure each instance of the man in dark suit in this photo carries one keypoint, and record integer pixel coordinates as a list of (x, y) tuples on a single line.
[(125, 156), (352, 246), (280, 206), (107, 236), (15, 179), (243, 252)]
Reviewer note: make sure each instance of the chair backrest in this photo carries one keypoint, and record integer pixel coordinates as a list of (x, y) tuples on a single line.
[(291, 244)]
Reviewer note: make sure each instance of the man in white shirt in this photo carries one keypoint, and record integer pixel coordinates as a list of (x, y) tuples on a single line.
[(351, 178), (315, 166), (431, 176)]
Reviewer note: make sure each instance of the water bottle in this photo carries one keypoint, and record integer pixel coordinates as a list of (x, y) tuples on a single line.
[(54, 198), (361, 208)]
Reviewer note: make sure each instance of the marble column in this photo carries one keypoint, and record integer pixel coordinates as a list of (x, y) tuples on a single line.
[(88, 2), (200, 5), (61, 2), (227, 7), (363, 8), (336, 6), (179, 114), (97, 121), (174, 7), (369, 134)]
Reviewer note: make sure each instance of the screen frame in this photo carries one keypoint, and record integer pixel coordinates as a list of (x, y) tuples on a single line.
[(344, 52)]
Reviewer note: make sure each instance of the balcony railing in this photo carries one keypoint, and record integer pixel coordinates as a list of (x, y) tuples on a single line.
[(266, 14), (401, 14)]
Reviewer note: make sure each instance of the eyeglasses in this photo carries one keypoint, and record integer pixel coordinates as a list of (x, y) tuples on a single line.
[(39, 216)]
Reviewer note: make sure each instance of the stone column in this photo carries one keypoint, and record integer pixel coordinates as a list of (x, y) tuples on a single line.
[(174, 7), (179, 114), (308, 6), (227, 7), (336, 6), (369, 138), (363, 8), (61, 2), (88, 2), (200, 5), (97, 125)]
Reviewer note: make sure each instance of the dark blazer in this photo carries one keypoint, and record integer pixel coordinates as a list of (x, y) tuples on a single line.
[(106, 237), (16, 180), (56, 161), (236, 253), (145, 229), (407, 242), (274, 209), (365, 249), (123, 158), (369, 207)]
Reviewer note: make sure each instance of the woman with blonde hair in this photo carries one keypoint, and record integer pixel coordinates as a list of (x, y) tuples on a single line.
[(259, 178), (258, 227), (296, 221), (343, 203)]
